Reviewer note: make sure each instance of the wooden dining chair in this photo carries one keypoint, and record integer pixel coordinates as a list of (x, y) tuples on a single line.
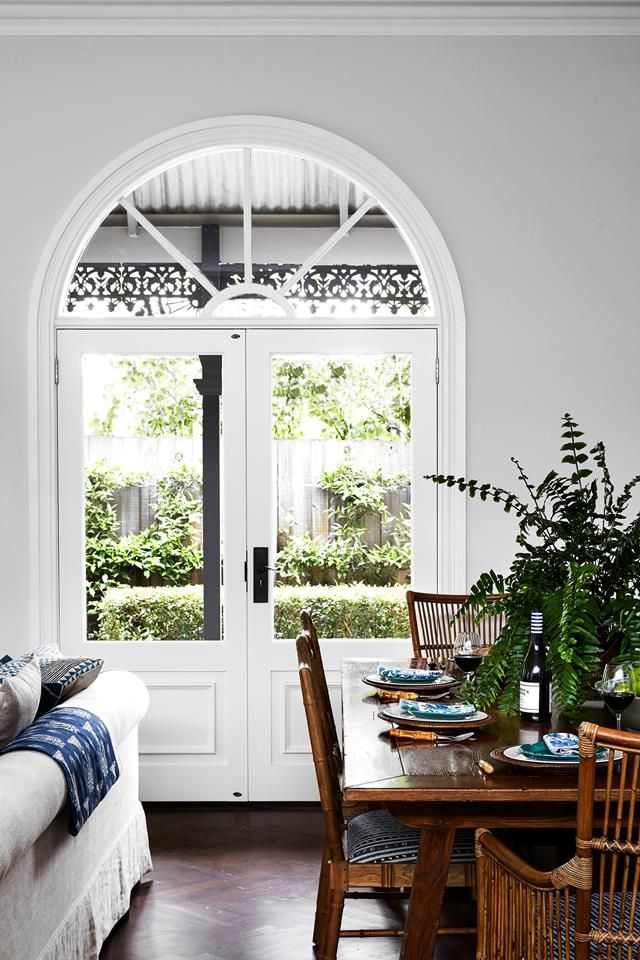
[(433, 623), (372, 850), (589, 907), (320, 677)]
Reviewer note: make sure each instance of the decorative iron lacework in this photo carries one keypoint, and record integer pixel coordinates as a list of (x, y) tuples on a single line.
[(162, 288)]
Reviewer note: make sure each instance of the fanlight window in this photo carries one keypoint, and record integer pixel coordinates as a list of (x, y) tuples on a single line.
[(248, 233)]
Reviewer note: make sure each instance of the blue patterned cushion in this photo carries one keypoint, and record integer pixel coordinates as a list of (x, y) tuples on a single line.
[(10, 667), (19, 696), (63, 677), (377, 837)]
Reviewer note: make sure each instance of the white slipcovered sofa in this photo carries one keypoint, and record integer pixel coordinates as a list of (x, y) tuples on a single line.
[(61, 895)]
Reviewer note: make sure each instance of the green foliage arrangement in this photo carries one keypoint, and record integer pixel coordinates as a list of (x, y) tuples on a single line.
[(345, 556), (578, 560), (175, 613)]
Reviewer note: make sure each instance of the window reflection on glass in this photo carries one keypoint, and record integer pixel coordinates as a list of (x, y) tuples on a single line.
[(342, 444), (144, 498)]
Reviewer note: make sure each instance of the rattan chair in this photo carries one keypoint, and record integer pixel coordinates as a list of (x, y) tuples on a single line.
[(589, 907), (373, 850), (433, 623)]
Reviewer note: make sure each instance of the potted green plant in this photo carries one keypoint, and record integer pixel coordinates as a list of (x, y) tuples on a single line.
[(578, 560)]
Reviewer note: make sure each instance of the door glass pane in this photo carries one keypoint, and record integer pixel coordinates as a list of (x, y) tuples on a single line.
[(342, 493), (152, 519)]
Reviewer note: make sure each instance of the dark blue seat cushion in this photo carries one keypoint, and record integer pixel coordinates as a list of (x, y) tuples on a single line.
[(377, 837)]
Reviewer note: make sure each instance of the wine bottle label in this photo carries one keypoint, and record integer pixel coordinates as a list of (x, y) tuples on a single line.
[(529, 697)]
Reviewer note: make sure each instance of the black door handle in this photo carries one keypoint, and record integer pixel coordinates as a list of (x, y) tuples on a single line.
[(261, 575)]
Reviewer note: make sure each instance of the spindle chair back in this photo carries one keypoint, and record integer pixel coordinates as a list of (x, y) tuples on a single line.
[(432, 617)]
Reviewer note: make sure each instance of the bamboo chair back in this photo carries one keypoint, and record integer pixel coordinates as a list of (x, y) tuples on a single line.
[(588, 908), (607, 861), (323, 748), (433, 627), (320, 677)]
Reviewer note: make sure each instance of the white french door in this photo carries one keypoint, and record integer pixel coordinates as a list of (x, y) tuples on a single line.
[(280, 766), (226, 720), (194, 738)]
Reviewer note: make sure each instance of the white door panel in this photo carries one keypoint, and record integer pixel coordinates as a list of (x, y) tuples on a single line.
[(193, 740), (280, 766)]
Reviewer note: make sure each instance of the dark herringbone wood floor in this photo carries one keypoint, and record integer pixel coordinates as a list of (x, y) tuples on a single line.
[(239, 884)]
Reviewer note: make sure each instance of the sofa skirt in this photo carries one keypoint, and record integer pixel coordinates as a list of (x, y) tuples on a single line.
[(94, 914)]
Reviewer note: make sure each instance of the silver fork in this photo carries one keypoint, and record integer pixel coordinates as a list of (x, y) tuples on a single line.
[(446, 738)]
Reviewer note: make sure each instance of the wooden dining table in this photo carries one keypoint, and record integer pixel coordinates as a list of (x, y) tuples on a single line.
[(439, 787)]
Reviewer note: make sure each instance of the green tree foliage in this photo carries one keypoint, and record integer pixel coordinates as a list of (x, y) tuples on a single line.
[(342, 399), (578, 560), (329, 398), (153, 397)]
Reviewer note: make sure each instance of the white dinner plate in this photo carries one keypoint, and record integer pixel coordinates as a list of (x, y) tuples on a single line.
[(515, 753)]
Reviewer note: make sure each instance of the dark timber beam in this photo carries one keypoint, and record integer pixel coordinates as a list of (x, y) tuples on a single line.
[(210, 387)]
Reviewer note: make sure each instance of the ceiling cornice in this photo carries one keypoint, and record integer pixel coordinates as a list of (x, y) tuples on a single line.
[(399, 18)]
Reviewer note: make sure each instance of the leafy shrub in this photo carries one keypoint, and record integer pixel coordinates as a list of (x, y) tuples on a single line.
[(166, 552), (150, 613), (175, 613), (345, 556)]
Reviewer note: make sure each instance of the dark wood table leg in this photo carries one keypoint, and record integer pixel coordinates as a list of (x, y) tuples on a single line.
[(427, 894)]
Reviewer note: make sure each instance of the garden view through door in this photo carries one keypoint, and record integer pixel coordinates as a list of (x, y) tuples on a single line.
[(341, 429), (192, 542)]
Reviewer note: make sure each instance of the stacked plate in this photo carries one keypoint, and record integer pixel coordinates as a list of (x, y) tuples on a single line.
[(415, 714), (425, 682)]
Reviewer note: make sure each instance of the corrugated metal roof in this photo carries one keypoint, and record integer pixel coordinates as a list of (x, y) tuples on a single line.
[(281, 183)]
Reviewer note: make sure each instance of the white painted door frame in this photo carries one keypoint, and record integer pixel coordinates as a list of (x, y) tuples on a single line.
[(85, 213)]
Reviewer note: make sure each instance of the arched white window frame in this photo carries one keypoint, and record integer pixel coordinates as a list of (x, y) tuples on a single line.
[(118, 180)]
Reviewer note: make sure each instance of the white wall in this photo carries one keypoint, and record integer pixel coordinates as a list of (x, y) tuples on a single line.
[(525, 151)]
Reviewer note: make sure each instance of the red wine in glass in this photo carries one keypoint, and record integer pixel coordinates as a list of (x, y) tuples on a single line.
[(617, 689), (468, 662)]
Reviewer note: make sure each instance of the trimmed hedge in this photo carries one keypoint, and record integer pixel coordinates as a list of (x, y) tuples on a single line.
[(347, 610), (150, 613), (175, 613)]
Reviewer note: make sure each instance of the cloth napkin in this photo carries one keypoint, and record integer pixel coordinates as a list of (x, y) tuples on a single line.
[(540, 751), (412, 675), (562, 743), (437, 711)]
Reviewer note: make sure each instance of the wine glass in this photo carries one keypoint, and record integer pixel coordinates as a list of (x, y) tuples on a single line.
[(617, 688), (468, 650)]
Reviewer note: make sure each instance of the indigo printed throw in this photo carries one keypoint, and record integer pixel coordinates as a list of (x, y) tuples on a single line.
[(81, 745)]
